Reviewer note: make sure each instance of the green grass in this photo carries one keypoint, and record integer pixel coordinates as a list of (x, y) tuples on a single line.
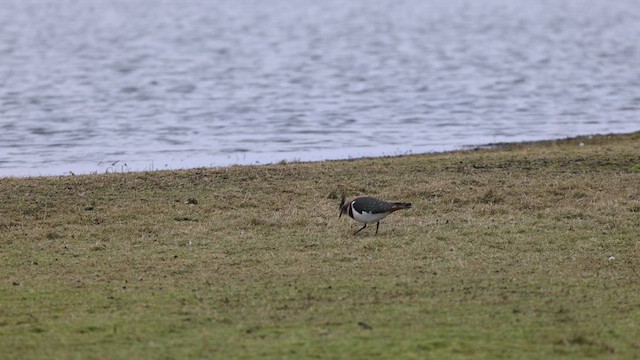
[(506, 254)]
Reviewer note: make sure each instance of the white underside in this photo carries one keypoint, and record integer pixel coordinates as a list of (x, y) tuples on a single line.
[(367, 217)]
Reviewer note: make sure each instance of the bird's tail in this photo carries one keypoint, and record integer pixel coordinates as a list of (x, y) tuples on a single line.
[(400, 205)]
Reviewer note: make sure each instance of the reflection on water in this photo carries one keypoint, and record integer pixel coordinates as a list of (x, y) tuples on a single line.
[(153, 85)]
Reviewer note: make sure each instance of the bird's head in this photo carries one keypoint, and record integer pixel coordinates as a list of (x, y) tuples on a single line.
[(344, 206)]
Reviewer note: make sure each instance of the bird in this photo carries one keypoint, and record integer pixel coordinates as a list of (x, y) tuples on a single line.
[(367, 209)]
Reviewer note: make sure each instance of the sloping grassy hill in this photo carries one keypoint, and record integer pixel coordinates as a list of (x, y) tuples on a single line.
[(526, 251)]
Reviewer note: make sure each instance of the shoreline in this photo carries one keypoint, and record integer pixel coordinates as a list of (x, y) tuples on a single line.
[(118, 166), (546, 142)]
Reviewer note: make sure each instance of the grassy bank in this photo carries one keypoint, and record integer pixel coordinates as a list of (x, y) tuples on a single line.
[(523, 251)]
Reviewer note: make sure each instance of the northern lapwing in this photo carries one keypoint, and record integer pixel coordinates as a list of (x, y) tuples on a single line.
[(368, 209)]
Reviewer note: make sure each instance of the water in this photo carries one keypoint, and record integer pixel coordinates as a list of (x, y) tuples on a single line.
[(124, 85)]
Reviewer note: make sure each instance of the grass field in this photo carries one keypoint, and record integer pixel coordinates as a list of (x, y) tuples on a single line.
[(525, 251)]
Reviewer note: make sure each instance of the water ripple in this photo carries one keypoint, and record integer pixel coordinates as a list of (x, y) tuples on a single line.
[(208, 83)]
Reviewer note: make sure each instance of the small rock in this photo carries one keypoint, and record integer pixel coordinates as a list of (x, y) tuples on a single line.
[(611, 258)]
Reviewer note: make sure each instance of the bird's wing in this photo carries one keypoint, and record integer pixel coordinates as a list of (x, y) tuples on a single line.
[(371, 205)]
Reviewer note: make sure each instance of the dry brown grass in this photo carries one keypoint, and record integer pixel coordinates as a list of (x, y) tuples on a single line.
[(506, 253)]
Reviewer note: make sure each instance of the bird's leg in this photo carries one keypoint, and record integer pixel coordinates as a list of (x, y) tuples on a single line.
[(377, 226), (365, 225)]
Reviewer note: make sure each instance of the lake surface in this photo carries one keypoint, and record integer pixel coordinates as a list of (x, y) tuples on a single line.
[(126, 85)]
